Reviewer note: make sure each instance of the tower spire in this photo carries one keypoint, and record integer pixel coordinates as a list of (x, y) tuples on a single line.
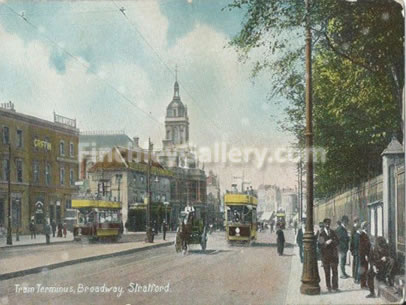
[(176, 87)]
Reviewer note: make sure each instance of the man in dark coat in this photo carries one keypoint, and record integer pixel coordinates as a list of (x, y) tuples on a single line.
[(53, 225), (299, 241), (355, 256), (381, 265), (343, 245), (364, 254), (328, 241), (280, 240)]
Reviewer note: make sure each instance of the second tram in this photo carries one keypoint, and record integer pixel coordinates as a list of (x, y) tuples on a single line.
[(240, 218)]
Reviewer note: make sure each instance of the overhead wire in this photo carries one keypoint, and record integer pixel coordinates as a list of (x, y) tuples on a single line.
[(81, 62), (122, 11)]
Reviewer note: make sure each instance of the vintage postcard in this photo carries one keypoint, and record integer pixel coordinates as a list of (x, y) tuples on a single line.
[(182, 152)]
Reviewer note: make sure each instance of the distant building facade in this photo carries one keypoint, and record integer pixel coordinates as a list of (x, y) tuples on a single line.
[(122, 176), (43, 160), (94, 145), (269, 198), (289, 203), (215, 215)]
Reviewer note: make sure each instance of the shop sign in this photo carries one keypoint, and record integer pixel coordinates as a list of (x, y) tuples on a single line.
[(42, 144)]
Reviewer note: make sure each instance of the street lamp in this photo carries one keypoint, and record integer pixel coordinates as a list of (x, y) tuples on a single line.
[(9, 239), (310, 275), (150, 236)]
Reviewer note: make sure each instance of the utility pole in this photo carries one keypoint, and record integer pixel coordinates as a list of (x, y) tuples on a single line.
[(150, 237), (9, 238), (310, 275)]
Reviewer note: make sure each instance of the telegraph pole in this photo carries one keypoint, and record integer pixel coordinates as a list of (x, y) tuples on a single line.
[(310, 275), (9, 238), (150, 237)]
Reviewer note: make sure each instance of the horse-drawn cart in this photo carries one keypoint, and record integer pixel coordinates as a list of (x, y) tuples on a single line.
[(192, 229)]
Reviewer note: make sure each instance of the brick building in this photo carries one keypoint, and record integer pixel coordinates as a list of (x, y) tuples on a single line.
[(42, 157)]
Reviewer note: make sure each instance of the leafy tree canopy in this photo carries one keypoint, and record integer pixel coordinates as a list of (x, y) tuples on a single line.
[(357, 77)]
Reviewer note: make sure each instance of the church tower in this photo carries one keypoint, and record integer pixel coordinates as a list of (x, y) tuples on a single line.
[(176, 121)]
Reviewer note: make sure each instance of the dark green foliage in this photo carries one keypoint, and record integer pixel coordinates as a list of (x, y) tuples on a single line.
[(358, 77)]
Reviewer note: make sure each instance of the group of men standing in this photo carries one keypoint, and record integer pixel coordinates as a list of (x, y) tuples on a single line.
[(368, 262)]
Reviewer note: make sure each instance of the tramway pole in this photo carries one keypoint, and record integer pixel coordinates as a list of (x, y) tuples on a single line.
[(9, 238), (150, 237), (310, 275)]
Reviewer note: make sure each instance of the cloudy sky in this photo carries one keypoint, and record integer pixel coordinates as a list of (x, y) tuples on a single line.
[(111, 65)]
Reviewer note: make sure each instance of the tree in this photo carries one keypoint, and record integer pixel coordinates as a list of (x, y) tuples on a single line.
[(357, 79)]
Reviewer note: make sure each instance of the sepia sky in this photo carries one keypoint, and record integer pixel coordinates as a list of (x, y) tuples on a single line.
[(111, 65)]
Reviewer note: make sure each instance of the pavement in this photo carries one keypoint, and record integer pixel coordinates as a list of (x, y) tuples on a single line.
[(350, 293), (26, 240), (20, 261)]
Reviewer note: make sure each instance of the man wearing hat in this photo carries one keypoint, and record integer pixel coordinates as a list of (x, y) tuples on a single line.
[(354, 244), (364, 254), (343, 246), (328, 242)]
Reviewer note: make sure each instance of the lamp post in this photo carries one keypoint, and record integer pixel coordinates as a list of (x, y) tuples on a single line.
[(9, 239), (310, 275), (18, 209), (150, 237)]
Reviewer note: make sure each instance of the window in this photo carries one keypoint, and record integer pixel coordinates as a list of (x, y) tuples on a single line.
[(47, 174), (71, 177), (6, 135), (35, 171), (19, 169), (5, 168), (62, 148), (71, 149), (19, 142), (62, 176)]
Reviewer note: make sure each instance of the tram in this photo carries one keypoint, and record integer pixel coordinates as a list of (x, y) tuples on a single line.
[(97, 220), (240, 218), (281, 219)]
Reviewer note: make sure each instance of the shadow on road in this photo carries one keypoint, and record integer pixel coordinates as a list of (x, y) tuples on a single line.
[(208, 252), (271, 245)]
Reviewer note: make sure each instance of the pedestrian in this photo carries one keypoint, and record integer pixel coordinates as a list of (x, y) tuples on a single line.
[(299, 241), (53, 224), (354, 254), (317, 245), (295, 226), (60, 230), (64, 230), (47, 230), (343, 245), (272, 225), (164, 228), (280, 240), (381, 265), (33, 230), (364, 254), (328, 241)]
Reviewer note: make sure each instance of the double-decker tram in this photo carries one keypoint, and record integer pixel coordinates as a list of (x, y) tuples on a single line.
[(281, 219), (97, 219), (240, 218)]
